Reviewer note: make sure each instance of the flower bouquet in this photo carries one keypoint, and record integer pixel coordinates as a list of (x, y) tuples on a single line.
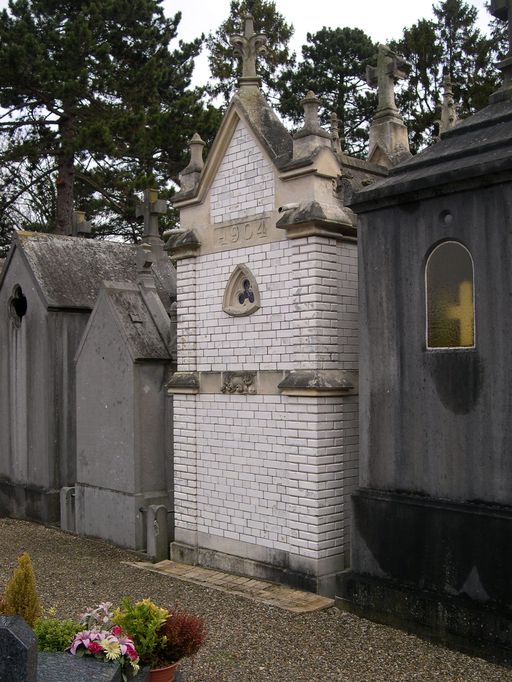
[(105, 642)]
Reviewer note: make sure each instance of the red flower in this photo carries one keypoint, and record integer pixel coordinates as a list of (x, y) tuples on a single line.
[(131, 653), (117, 631), (95, 648)]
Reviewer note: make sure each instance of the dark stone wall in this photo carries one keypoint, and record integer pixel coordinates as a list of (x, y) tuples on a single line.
[(436, 422)]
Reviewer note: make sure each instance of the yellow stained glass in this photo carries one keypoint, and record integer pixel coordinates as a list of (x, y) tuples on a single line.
[(450, 304)]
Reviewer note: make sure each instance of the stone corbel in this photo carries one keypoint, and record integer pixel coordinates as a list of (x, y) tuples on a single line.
[(312, 218), (314, 382), (182, 244), (186, 383)]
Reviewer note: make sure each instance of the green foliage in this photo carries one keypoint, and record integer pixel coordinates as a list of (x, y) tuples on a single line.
[(55, 635), (333, 66), (98, 103), (451, 43), (226, 68), (143, 620), (20, 596)]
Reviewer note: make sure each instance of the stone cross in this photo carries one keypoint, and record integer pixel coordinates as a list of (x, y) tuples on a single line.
[(502, 9), (389, 69), (150, 209), (80, 224), (249, 46)]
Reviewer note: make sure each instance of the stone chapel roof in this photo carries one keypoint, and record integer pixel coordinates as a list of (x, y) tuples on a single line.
[(70, 270), (466, 156), (137, 326)]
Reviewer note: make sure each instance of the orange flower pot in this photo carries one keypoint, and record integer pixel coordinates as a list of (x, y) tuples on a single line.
[(166, 674)]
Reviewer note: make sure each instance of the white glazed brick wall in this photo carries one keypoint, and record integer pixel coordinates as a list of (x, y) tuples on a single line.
[(244, 182), (271, 470), (275, 471), (308, 314)]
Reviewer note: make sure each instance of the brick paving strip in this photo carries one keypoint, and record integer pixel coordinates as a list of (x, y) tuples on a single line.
[(260, 591)]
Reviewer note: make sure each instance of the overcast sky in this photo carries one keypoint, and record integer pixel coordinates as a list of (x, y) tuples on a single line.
[(382, 20)]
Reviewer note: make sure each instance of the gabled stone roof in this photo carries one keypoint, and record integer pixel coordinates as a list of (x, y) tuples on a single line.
[(265, 124), (250, 105), (471, 154), (70, 270), (137, 326)]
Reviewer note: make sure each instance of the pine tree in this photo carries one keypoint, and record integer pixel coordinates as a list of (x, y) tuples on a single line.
[(449, 44), (226, 68), (95, 96), (333, 66)]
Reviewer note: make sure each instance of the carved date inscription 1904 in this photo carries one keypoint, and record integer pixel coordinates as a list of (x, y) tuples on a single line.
[(241, 234)]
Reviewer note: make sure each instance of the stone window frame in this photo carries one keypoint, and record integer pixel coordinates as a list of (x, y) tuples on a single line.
[(235, 287), (430, 253)]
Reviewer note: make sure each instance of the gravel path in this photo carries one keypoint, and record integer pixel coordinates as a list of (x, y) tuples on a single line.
[(247, 642)]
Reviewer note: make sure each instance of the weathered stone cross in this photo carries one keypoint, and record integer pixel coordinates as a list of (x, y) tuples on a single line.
[(502, 9), (249, 46), (150, 210), (389, 68)]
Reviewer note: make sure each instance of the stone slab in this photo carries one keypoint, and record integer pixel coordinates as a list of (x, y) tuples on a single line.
[(62, 667), (261, 591)]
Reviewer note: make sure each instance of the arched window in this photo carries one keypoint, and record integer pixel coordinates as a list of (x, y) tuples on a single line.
[(449, 288)]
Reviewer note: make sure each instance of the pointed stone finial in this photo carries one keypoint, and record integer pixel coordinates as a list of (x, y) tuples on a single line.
[(389, 142), (449, 116), (80, 225), (335, 134), (151, 208), (249, 46), (502, 9), (189, 176), (311, 135)]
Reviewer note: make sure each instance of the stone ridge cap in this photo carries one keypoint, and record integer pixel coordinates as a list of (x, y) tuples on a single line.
[(479, 121), (347, 161), (402, 170), (443, 179)]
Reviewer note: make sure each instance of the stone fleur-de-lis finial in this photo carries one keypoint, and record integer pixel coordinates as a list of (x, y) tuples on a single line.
[(249, 46), (389, 69), (449, 116), (502, 9)]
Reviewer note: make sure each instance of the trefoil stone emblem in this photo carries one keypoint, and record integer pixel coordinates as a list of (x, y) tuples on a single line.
[(241, 296)]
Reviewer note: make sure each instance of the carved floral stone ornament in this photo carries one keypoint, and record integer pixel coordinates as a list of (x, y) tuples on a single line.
[(239, 382), (242, 296), (17, 305)]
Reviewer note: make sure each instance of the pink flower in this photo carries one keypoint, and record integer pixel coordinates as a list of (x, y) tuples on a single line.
[(116, 631), (81, 638)]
